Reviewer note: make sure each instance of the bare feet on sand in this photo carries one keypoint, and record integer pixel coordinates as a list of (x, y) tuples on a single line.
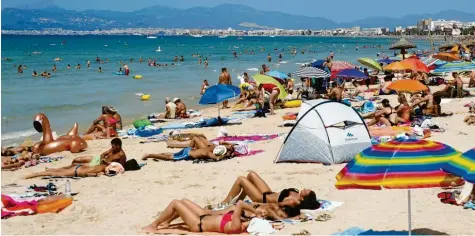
[(151, 229)]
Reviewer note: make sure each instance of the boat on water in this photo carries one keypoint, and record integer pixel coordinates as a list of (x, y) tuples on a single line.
[(151, 37), (222, 36), (137, 34), (196, 35), (158, 49), (272, 36)]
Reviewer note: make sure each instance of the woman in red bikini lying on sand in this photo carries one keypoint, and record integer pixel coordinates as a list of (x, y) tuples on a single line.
[(233, 220)]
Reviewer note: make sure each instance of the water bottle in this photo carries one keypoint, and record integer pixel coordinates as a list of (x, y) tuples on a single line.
[(68, 188)]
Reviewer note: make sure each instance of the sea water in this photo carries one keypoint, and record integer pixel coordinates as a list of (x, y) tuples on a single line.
[(76, 95)]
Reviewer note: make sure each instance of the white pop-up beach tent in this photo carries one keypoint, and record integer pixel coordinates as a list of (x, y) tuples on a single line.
[(326, 132)]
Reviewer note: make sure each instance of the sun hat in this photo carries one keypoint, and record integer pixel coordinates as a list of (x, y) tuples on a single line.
[(175, 99), (220, 150)]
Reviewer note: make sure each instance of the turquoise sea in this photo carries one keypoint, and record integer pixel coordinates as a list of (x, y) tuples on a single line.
[(76, 95)]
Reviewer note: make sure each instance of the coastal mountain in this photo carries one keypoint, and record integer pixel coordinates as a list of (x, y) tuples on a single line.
[(219, 17)]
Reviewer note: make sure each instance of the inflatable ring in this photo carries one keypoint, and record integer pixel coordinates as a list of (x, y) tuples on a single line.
[(145, 97), (292, 104), (137, 76)]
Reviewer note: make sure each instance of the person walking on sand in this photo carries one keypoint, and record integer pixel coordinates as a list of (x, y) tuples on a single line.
[(225, 78)]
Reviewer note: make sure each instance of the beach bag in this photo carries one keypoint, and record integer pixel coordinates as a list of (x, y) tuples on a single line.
[(131, 165), (140, 124)]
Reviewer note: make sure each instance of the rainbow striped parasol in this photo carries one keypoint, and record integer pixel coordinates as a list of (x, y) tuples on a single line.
[(399, 164), (463, 166)]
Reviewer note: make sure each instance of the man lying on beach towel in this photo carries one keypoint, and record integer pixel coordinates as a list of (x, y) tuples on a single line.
[(200, 148), (89, 166)]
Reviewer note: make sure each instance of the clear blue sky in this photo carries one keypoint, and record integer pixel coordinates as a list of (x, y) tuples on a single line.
[(337, 10)]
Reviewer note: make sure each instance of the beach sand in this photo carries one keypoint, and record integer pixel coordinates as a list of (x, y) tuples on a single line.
[(123, 204)]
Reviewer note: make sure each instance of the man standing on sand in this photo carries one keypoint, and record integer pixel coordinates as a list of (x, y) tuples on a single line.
[(224, 78)]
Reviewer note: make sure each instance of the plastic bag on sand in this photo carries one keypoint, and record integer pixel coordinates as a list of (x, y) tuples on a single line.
[(222, 132), (260, 227)]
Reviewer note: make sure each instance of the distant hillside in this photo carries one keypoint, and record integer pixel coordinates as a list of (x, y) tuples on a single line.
[(222, 16)]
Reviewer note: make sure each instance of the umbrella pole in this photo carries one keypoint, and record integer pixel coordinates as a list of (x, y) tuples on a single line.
[(409, 210)]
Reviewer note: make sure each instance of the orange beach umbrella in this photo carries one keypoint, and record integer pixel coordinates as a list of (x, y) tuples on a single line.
[(417, 65), (399, 65), (407, 86)]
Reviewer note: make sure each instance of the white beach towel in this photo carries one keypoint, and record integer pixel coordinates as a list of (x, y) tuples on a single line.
[(326, 206)]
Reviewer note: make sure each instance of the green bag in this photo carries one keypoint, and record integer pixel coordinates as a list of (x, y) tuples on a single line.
[(140, 124)]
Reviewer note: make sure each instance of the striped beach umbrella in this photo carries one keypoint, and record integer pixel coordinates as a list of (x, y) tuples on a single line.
[(455, 67), (463, 166), (400, 164), (340, 65), (310, 72), (351, 73)]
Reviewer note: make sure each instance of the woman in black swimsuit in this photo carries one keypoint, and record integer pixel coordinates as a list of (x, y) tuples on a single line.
[(385, 116), (257, 190)]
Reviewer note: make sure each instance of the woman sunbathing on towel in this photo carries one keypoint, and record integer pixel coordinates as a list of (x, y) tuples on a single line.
[(200, 148), (78, 170), (11, 151), (233, 220), (257, 190)]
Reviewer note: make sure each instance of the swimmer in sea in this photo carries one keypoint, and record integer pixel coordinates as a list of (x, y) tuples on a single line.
[(54, 68), (88, 63), (20, 69), (97, 59), (206, 63), (140, 59), (34, 74), (78, 66), (182, 59), (68, 67), (48, 75), (269, 58), (120, 70), (100, 69)]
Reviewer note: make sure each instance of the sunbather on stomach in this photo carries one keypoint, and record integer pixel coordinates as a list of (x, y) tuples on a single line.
[(254, 187)]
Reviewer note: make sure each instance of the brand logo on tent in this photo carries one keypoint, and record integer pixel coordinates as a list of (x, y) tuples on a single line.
[(350, 137)]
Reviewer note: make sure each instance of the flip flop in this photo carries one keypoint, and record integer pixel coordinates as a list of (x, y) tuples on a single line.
[(323, 217)]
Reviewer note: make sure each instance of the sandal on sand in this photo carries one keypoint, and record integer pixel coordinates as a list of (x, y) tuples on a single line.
[(444, 195), (302, 232), (323, 217)]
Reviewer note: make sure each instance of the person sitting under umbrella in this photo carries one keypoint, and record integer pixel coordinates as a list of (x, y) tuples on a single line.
[(427, 103), (386, 115), (388, 80)]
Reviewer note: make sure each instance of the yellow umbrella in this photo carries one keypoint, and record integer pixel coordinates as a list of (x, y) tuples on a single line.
[(370, 63), (400, 65), (264, 79)]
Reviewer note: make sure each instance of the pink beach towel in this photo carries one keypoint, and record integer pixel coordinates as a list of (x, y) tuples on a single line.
[(11, 208)]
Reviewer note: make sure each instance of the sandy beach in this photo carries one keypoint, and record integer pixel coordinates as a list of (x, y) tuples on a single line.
[(121, 205)]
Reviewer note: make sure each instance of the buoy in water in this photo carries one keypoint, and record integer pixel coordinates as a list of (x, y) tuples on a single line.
[(137, 76), (145, 97)]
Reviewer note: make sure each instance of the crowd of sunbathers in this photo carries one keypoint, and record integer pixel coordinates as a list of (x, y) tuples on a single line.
[(235, 219)]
